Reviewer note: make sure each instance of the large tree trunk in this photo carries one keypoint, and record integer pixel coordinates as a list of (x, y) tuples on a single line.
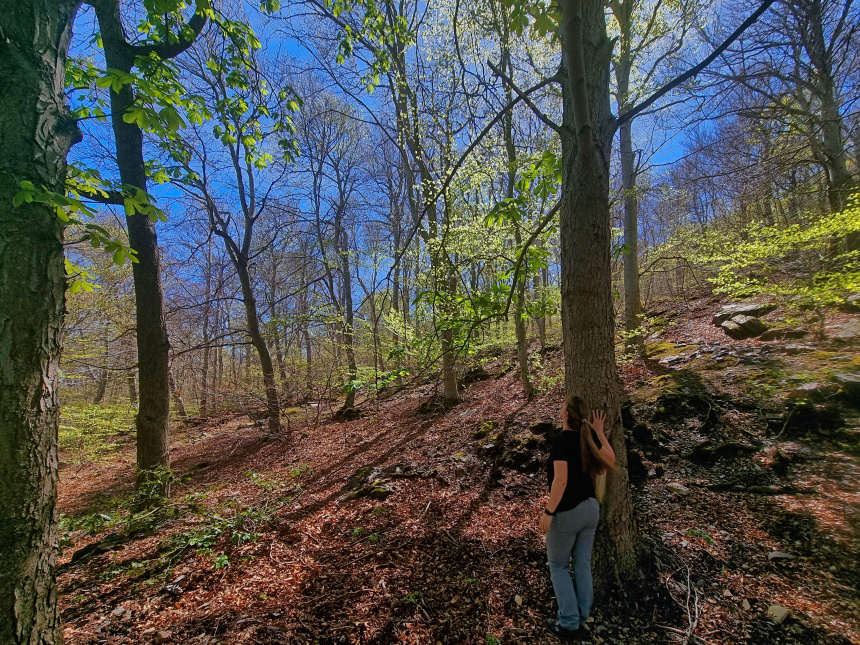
[(586, 290), (273, 405), (36, 133), (153, 417)]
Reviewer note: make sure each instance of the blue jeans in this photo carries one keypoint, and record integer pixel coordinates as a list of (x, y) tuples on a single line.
[(572, 530)]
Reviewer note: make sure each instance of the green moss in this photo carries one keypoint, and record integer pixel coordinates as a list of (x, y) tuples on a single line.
[(661, 349), (484, 428)]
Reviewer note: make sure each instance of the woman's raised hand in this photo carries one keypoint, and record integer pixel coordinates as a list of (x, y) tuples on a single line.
[(598, 418)]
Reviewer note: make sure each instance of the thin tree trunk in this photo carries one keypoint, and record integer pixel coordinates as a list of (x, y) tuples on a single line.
[(586, 288), (131, 384), (537, 285), (273, 405), (36, 133), (153, 418), (176, 393), (520, 286), (349, 319), (449, 373), (623, 66)]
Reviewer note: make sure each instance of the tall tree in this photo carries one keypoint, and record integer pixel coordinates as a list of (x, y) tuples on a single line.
[(649, 35), (798, 68), (252, 127), (36, 133), (166, 39)]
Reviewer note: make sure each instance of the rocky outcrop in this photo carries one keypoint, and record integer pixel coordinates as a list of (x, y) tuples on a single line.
[(742, 326), (783, 333), (377, 483), (751, 309)]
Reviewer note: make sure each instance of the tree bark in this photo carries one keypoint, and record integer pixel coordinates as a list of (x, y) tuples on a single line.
[(204, 377), (586, 290), (349, 316), (153, 418), (273, 405), (520, 285), (36, 133), (131, 384), (176, 393)]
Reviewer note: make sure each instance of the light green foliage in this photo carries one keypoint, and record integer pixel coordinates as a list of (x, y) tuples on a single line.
[(542, 16), (369, 24), (89, 432), (806, 263)]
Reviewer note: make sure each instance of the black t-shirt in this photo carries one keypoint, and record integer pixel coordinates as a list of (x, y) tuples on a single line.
[(565, 446)]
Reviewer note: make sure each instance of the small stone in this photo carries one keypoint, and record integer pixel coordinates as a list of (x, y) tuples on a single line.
[(779, 555), (162, 637), (173, 590), (519, 600), (678, 489), (746, 605), (777, 614), (727, 593)]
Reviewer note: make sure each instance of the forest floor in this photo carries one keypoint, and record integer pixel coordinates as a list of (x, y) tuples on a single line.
[(403, 527)]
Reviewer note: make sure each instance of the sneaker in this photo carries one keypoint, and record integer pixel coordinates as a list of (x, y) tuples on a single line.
[(563, 633)]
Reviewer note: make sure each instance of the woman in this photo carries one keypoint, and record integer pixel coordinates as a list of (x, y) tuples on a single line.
[(579, 457)]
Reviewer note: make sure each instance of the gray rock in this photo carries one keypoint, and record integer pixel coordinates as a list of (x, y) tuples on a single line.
[(849, 382), (793, 350), (779, 555), (678, 489), (777, 614), (848, 333), (851, 304), (162, 637), (753, 326), (734, 330), (744, 308), (783, 333), (807, 391)]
